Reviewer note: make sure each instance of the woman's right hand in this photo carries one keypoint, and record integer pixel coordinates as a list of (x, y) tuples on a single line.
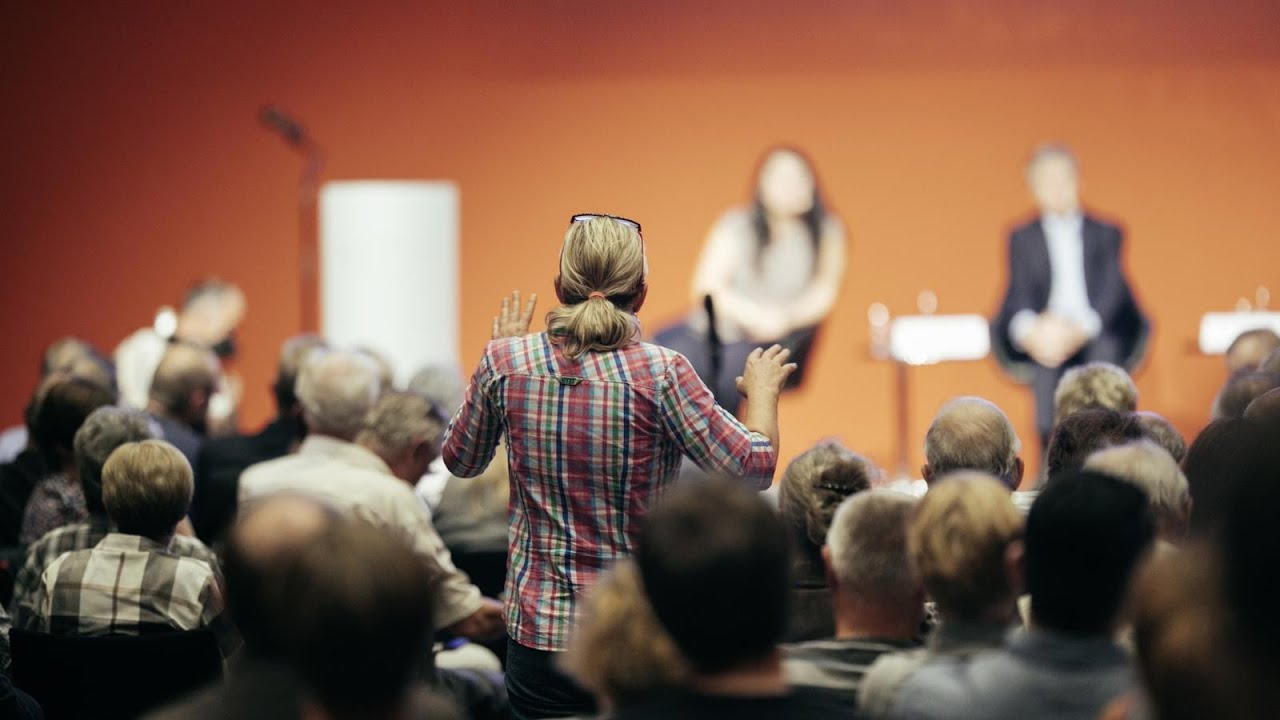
[(766, 372), (510, 321)]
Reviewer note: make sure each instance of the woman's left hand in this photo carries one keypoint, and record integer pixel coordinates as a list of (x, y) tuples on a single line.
[(510, 321)]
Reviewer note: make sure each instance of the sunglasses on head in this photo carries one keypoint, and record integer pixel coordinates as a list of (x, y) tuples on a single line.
[(588, 217)]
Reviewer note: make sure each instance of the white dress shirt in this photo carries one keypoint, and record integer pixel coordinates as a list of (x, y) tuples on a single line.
[(1068, 291)]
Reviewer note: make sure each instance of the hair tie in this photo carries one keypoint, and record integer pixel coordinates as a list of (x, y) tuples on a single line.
[(597, 294)]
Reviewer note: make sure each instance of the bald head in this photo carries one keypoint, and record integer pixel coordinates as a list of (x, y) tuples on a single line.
[(1250, 349), (970, 433), (264, 543), (185, 379)]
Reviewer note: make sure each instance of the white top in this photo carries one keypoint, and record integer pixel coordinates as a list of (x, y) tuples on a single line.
[(1068, 289), (349, 477)]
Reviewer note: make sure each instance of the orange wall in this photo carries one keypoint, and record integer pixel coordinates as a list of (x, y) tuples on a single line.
[(133, 163)]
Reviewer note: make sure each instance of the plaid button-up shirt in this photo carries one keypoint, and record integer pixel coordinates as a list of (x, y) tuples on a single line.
[(591, 443), (81, 536), (128, 585)]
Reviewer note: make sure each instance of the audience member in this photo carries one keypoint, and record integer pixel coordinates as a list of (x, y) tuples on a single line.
[(1160, 430), (1094, 385), (337, 390), (403, 429), (587, 459), (208, 318), (1250, 349), (1265, 407), (1083, 433), (185, 380), (443, 385), (1240, 390), (223, 459), (878, 599), (965, 543), (1152, 470), (1085, 535), (130, 583), (106, 429), (811, 490), (65, 356), (619, 651), (1209, 467), (714, 563), (262, 545), (56, 500), (361, 641), (970, 433)]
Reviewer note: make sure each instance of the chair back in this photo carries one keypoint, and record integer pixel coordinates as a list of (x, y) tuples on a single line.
[(115, 676)]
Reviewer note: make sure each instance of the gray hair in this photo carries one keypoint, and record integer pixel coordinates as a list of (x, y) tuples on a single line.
[(868, 546), (970, 433), (398, 421), (441, 384), (106, 429), (1163, 432), (1045, 151), (1151, 469), (1094, 385), (337, 389)]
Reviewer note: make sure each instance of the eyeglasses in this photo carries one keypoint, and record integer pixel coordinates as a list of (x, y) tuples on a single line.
[(588, 217)]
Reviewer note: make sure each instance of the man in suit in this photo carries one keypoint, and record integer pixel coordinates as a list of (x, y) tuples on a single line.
[(1068, 300)]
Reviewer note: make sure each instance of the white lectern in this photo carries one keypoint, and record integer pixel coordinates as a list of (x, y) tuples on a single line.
[(928, 340), (389, 269), (1219, 329)]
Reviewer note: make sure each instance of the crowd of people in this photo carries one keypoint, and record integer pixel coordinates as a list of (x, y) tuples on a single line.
[(582, 530)]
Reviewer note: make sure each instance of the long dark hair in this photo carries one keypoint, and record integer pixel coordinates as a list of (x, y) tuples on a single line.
[(813, 218)]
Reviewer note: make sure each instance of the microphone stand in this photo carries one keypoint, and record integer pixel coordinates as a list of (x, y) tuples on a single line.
[(296, 137)]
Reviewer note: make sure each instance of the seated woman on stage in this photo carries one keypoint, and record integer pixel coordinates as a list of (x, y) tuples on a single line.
[(596, 423), (772, 272)]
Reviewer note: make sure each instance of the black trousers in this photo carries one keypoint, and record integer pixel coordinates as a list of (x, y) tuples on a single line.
[(537, 689), (733, 357)]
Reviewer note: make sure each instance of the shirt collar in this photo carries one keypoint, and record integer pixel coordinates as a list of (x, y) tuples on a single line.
[(1059, 648), (953, 634), (348, 453), (128, 543), (1071, 222)]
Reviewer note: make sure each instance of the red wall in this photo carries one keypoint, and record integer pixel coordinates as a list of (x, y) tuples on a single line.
[(133, 162)]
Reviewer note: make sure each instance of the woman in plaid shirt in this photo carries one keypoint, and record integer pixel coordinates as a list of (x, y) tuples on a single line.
[(596, 423)]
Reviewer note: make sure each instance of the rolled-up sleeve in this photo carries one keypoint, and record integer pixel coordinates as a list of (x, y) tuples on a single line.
[(707, 433), (473, 434)]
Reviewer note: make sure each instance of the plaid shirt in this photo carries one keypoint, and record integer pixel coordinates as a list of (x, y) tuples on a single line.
[(591, 443), (25, 606), (129, 585)]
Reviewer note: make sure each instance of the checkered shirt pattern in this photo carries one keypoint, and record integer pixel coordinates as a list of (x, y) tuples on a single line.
[(591, 443), (25, 606), (130, 585)]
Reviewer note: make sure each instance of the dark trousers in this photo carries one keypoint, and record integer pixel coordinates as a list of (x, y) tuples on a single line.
[(733, 358), (537, 689), (1045, 382)]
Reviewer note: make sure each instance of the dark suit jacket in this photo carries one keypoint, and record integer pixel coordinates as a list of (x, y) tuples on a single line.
[(1030, 277), (218, 474)]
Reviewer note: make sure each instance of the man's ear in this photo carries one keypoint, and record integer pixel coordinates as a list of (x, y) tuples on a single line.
[(559, 291), (424, 452), (832, 583), (1019, 468), (1015, 567), (926, 472), (641, 296)]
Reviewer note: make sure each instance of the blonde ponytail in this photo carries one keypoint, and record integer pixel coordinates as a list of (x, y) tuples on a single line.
[(602, 270)]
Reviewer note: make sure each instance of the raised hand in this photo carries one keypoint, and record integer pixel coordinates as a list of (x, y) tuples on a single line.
[(511, 321), (766, 372)]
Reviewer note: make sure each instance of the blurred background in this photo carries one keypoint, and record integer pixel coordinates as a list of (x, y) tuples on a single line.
[(135, 162)]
